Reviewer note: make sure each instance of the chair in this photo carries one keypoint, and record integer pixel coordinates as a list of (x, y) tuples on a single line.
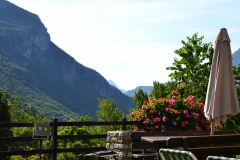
[(220, 158), (170, 154)]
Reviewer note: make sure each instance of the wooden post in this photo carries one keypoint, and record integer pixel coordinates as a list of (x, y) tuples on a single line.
[(54, 143), (123, 125)]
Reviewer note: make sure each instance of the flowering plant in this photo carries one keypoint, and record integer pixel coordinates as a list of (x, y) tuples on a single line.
[(160, 114)]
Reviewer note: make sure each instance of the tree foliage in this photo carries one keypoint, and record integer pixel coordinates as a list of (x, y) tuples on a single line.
[(194, 65), (158, 90), (139, 98), (108, 112), (5, 116)]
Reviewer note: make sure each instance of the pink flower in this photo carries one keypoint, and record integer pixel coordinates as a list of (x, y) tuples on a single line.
[(158, 119), (143, 107), (160, 99), (142, 129), (174, 97), (145, 102), (147, 127), (164, 119), (190, 108), (162, 130), (158, 114), (174, 105), (183, 125), (151, 98), (202, 121), (194, 104), (198, 100), (151, 111), (170, 106), (201, 105), (162, 126), (174, 123), (198, 128), (174, 93), (154, 120), (218, 124), (185, 122), (175, 112), (166, 109), (185, 100), (185, 112), (195, 115), (151, 128), (141, 118), (132, 115), (153, 101), (207, 128), (149, 107), (146, 115), (196, 124), (156, 127)]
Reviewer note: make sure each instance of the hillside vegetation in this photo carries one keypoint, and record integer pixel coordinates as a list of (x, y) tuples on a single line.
[(45, 75)]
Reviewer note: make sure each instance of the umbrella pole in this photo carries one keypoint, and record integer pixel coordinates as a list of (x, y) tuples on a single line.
[(212, 127)]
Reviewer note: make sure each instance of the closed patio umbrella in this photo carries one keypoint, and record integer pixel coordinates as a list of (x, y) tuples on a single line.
[(221, 99)]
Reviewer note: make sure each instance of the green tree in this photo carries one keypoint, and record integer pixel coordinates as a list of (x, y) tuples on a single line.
[(194, 65), (158, 90), (108, 112), (74, 143), (5, 116), (170, 87), (139, 98)]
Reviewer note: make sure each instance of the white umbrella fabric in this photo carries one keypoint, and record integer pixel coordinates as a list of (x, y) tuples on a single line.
[(221, 99)]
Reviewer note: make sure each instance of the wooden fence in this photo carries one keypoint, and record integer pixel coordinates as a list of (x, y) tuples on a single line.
[(54, 124)]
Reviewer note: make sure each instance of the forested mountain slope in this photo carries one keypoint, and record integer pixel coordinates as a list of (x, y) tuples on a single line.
[(50, 79)]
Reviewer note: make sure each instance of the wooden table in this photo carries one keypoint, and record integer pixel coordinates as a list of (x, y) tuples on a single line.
[(225, 144), (161, 141)]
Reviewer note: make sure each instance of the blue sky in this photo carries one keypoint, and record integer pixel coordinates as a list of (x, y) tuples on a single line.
[(132, 41)]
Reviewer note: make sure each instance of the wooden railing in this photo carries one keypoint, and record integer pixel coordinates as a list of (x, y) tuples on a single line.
[(54, 124)]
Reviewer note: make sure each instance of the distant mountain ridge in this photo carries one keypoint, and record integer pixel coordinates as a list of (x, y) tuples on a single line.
[(46, 76), (147, 89), (236, 58), (114, 84)]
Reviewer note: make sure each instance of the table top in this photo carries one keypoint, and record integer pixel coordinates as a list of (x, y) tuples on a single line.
[(160, 139), (164, 139)]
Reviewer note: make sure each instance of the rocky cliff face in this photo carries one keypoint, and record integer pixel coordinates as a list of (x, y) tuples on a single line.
[(47, 69)]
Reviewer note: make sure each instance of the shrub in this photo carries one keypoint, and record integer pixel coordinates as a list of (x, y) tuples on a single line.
[(159, 115)]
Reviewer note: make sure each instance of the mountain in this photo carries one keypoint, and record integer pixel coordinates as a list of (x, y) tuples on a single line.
[(147, 89), (46, 76), (114, 84), (131, 93), (236, 58)]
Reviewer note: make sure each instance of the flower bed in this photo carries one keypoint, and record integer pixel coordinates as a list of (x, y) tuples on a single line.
[(162, 113)]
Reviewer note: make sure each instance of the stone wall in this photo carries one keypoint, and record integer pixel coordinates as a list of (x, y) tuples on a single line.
[(120, 142)]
